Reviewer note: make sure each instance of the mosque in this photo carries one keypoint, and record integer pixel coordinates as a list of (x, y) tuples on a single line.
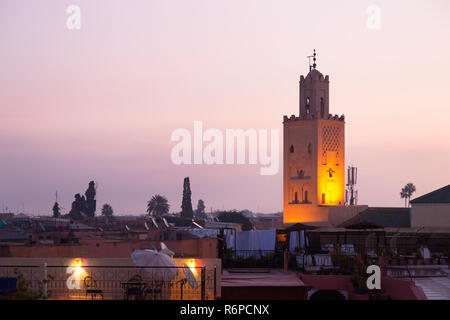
[(314, 157)]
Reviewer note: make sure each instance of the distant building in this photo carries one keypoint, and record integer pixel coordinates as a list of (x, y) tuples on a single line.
[(267, 221), (381, 217), (223, 225), (431, 209)]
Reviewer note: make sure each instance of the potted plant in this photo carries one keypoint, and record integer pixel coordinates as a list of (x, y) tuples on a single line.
[(25, 291)]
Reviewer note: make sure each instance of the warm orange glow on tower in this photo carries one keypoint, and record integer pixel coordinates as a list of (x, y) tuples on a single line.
[(314, 155)]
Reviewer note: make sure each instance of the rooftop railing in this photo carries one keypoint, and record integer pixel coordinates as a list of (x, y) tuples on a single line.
[(109, 282)]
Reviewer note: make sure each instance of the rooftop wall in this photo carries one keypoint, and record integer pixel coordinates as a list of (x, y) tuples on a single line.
[(101, 248)]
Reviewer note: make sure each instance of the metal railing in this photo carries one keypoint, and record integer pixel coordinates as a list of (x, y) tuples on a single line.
[(112, 282)]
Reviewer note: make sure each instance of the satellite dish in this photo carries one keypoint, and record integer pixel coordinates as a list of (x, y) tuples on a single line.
[(166, 250), (189, 276)]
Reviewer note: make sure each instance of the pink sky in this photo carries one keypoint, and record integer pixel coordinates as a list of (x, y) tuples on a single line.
[(100, 103)]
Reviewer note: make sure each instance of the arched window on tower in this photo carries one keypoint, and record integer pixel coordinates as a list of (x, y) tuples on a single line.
[(308, 106), (322, 108), (291, 149)]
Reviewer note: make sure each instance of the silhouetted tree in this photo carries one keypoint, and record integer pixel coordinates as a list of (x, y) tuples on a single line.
[(79, 208), (186, 204), (157, 206), (107, 211), (91, 203), (200, 212), (407, 192), (56, 210), (404, 195), (84, 206), (236, 217)]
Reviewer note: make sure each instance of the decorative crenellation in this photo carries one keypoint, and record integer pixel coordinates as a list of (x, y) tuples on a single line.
[(314, 75), (293, 118)]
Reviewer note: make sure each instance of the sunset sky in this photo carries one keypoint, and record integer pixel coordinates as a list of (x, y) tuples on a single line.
[(100, 103)]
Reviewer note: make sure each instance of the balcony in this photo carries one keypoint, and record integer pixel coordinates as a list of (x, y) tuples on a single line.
[(108, 282)]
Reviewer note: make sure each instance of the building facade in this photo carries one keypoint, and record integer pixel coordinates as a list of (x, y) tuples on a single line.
[(313, 155), (432, 209)]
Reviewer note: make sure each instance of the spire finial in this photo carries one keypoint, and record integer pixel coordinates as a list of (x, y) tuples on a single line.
[(312, 66), (314, 59)]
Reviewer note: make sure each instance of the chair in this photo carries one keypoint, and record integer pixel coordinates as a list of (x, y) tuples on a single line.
[(134, 287), (323, 260), (348, 249), (91, 288), (153, 290)]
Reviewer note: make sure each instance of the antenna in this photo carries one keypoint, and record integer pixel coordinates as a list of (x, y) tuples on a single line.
[(351, 195)]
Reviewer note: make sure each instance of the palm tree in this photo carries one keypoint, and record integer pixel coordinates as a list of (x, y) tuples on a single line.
[(407, 192), (158, 205), (404, 195)]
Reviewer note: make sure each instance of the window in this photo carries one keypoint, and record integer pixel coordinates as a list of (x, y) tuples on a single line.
[(306, 196), (291, 149), (308, 107), (322, 108), (330, 172)]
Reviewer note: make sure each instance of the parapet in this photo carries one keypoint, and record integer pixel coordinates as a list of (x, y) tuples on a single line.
[(293, 118)]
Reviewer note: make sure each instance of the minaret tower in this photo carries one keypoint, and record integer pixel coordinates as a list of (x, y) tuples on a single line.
[(313, 154)]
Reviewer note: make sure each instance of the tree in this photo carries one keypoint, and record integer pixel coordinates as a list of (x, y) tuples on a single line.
[(107, 211), (56, 210), (84, 206), (91, 203), (186, 204), (236, 217), (200, 212), (158, 206), (78, 210), (407, 192), (404, 195)]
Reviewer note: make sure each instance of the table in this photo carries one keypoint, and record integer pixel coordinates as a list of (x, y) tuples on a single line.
[(133, 289)]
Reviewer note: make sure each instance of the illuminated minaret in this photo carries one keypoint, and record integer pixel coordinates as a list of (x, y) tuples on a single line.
[(313, 154)]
